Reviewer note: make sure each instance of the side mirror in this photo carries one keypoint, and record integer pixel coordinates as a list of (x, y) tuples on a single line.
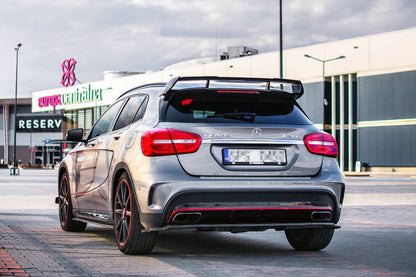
[(75, 135)]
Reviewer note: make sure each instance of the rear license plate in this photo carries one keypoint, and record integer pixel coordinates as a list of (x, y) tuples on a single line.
[(254, 156)]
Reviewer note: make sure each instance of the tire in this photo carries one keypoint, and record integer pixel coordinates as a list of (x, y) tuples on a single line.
[(309, 239), (66, 217), (128, 230)]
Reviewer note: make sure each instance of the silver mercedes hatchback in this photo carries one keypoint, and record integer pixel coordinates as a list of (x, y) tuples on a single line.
[(204, 153)]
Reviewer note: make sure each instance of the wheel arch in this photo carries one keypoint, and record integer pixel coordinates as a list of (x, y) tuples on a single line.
[(118, 171), (62, 170)]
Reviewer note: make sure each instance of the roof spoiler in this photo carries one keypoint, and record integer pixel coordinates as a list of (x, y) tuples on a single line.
[(293, 87)]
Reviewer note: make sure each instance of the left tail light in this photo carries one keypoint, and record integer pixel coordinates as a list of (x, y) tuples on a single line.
[(161, 142), (321, 144)]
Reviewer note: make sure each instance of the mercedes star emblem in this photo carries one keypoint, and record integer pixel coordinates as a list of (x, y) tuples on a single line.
[(256, 132)]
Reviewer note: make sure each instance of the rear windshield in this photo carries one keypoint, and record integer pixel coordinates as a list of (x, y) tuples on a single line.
[(230, 106)]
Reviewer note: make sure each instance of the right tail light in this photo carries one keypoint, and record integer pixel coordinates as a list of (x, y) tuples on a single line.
[(321, 144)]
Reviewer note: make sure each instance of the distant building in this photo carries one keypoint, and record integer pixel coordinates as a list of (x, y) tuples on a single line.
[(238, 52)]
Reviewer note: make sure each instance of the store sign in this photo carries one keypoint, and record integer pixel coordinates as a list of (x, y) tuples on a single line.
[(35, 124), (84, 96), (80, 96)]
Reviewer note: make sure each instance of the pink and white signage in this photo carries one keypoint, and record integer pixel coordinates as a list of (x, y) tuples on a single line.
[(76, 97)]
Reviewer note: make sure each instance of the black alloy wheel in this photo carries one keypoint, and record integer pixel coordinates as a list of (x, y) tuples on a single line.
[(63, 201), (66, 217)]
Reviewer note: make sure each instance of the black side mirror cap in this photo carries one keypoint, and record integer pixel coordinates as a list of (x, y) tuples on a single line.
[(75, 135)]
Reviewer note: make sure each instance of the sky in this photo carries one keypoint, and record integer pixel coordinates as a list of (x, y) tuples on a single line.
[(144, 35)]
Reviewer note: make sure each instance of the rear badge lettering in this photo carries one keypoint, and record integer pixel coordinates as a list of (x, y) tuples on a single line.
[(225, 135)]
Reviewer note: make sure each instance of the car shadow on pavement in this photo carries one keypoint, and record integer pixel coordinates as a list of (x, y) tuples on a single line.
[(193, 242)]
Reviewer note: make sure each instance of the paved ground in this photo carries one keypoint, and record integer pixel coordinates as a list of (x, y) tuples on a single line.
[(377, 238)]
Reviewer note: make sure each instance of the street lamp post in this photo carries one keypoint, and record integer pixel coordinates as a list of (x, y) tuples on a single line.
[(15, 169), (323, 83), (281, 39)]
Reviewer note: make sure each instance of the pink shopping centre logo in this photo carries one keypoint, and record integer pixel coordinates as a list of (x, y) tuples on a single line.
[(54, 100), (68, 76)]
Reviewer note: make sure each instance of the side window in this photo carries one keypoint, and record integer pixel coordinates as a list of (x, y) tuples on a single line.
[(103, 124), (140, 113), (130, 111)]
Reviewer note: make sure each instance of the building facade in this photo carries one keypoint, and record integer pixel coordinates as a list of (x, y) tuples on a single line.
[(38, 136)]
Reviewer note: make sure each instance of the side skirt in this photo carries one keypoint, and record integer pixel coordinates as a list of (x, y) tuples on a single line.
[(94, 216)]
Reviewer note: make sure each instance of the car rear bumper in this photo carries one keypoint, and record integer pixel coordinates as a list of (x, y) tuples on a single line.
[(237, 228), (244, 207)]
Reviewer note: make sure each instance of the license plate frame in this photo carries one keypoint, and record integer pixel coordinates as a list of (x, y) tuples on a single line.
[(253, 157)]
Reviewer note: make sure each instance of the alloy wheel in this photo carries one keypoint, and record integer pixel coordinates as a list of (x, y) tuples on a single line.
[(123, 212), (63, 201)]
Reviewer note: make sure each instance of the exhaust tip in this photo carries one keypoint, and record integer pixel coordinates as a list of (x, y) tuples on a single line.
[(321, 216), (191, 217)]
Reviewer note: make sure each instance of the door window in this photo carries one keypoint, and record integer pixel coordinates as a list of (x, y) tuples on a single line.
[(129, 113), (103, 124)]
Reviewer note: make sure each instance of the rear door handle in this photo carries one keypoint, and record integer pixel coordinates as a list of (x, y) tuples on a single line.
[(117, 136)]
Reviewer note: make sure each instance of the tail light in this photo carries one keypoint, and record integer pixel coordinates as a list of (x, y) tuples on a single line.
[(321, 144), (161, 142)]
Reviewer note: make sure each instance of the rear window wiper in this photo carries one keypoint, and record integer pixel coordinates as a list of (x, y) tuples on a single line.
[(239, 116)]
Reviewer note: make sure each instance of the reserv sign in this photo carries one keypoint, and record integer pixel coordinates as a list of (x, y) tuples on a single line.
[(35, 124)]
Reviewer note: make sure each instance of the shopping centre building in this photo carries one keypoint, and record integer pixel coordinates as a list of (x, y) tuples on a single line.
[(362, 90)]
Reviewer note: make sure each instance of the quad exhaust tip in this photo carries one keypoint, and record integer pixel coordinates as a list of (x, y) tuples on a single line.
[(321, 216), (190, 217)]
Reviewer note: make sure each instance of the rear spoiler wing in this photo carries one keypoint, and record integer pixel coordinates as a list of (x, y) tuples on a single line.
[(293, 87)]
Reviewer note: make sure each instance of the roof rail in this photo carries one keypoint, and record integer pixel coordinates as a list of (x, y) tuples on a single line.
[(142, 86), (293, 87)]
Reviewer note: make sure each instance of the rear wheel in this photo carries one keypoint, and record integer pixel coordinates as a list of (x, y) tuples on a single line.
[(309, 239), (66, 217), (128, 230)]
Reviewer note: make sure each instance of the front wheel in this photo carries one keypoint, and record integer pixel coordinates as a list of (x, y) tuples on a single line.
[(309, 239), (128, 230), (66, 217)]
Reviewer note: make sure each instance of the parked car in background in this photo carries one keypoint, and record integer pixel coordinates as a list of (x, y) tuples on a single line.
[(204, 153)]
